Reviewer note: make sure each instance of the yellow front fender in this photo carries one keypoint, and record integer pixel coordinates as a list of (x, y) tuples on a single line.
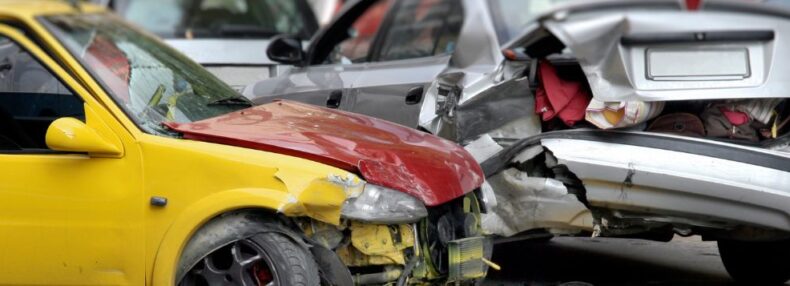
[(197, 214)]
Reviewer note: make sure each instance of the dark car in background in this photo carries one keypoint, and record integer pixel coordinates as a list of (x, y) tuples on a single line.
[(227, 37)]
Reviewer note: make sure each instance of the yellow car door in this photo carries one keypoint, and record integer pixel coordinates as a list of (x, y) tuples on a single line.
[(65, 217)]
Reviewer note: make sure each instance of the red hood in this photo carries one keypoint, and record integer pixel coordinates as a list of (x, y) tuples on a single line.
[(422, 165)]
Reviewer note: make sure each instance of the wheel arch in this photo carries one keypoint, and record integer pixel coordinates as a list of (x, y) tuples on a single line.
[(199, 214)]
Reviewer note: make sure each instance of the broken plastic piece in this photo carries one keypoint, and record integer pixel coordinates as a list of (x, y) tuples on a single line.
[(483, 148), (607, 115), (526, 203), (528, 154)]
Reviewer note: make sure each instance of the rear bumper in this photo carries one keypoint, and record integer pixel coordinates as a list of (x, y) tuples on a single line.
[(674, 176)]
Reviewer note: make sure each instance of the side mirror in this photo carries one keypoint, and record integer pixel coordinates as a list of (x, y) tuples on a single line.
[(71, 135), (286, 49)]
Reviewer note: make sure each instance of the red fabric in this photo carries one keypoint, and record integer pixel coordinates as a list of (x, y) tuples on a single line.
[(558, 97), (736, 118)]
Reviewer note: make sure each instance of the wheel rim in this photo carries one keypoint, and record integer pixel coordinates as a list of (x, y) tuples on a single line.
[(242, 263)]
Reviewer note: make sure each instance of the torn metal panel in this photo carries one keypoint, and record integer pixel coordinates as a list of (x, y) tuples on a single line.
[(680, 183), (506, 110), (517, 129), (483, 148), (528, 154), (488, 197), (636, 55), (526, 203), (494, 107)]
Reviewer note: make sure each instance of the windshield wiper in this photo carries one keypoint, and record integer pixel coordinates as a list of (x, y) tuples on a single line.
[(232, 101)]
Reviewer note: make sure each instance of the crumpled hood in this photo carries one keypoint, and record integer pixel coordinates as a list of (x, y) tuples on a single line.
[(425, 166)]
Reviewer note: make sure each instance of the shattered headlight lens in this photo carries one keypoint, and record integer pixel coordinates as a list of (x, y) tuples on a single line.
[(378, 204)]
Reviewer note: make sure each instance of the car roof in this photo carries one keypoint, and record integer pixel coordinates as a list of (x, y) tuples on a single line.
[(32, 8)]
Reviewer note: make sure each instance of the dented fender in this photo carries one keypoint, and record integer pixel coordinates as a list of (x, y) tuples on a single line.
[(320, 199)]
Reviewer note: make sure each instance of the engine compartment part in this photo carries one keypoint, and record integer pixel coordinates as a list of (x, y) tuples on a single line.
[(377, 244), (467, 259), (447, 245)]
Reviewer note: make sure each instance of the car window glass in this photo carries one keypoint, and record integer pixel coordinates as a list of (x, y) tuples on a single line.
[(153, 83), (511, 17), (218, 18), (31, 97), (361, 34), (422, 28)]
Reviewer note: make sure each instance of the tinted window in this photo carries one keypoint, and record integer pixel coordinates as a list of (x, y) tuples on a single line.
[(356, 46), (31, 97), (220, 18), (422, 28)]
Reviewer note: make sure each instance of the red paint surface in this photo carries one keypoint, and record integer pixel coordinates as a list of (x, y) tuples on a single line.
[(425, 166), (693, 5)]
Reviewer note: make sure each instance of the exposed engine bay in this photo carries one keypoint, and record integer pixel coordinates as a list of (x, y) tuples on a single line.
[(448, 246)]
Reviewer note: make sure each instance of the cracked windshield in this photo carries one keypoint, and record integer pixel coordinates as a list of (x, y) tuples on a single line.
[(150, 81)]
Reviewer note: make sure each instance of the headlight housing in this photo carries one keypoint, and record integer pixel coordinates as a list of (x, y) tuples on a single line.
[(377, 204)]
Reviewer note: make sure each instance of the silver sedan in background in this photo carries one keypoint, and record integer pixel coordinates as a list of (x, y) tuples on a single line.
[(379, 57)]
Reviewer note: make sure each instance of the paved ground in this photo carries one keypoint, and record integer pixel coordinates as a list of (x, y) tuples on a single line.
[(600, 261)]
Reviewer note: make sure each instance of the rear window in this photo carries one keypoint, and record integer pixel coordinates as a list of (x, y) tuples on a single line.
[(512, 16), (221, 18)]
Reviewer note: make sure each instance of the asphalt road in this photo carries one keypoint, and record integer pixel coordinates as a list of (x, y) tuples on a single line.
[(607, 261)]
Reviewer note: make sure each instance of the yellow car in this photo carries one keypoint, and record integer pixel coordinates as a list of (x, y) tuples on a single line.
[(124, 163)]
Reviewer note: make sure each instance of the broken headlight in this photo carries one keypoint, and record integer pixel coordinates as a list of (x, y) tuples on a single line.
[(378, 204)]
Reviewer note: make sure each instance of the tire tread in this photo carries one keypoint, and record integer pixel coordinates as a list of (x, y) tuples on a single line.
[(299, 263)]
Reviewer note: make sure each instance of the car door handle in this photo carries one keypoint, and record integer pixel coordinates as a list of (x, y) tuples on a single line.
[(334, 99), (414, 96)]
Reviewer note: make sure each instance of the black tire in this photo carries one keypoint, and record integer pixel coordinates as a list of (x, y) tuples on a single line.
[(756, 263), (238, 249)]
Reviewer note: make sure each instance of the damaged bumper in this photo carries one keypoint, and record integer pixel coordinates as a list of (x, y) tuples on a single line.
[(664, 179), (710, 182)]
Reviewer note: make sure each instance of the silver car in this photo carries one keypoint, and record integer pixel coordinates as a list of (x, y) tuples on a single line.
[(228, 37), (702, 89), (709, 157), (379, 56)]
